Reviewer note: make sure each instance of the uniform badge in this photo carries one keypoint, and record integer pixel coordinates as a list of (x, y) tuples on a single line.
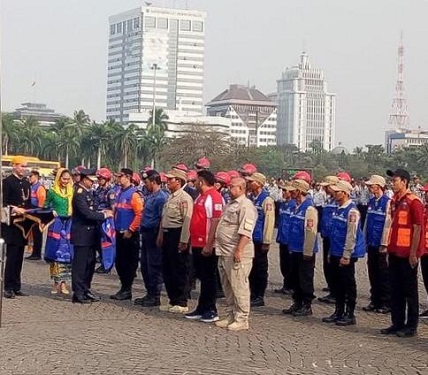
[(269, 207), (310, 223), (79, 191), (218, 207)]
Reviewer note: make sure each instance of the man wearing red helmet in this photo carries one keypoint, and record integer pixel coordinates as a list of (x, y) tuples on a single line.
[(202, 163), (247, 170), (222, 181), (104, 198)]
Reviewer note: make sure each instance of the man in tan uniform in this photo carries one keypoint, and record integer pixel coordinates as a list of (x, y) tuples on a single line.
[(173, 238), (262, 237), (235, 249)]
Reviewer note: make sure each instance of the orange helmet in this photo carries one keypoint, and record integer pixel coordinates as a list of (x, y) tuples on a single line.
[(223, 177), (104, 173)]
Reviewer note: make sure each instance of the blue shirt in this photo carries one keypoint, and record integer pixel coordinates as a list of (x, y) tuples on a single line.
[(152, 213)]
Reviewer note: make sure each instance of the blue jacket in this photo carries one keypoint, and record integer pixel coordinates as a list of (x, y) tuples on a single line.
[(285, 210), (260, 223), (152, 213), (339, 229), (124, 212), (297, 227), (328, 210), (375, 221)]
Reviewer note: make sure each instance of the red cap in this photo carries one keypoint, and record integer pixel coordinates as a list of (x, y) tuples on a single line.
[(248, 169), (302, 175), (223, 177), (136, 179), (233, 174), (203, 163), (182, 167), (192, 175), (163, 177), (425, 187), (344, 176), (104, 173)]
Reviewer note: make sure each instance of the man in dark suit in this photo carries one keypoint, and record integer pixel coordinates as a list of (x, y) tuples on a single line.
[(84, 236)]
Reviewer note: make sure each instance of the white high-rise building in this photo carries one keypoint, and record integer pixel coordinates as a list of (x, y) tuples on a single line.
[(155, 51), (306, 110)]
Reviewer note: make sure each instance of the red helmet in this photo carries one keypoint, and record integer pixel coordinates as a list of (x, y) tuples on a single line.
[(203, 163), (345, 176), (146, 169), (163, 177), (181, 167), (302, 175), (248, 169), (104, 173), (233, 174), (136, 179), (223, 177), (78, 169), (192, 175)]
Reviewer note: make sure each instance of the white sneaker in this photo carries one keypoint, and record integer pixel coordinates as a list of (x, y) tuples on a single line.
[(165, 308), (179, 309), (238, 326)]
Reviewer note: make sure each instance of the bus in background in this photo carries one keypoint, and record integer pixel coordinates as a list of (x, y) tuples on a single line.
[(44, 167)]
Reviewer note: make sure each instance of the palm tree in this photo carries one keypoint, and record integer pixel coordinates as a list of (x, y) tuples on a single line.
[(9, 132), (155, 134), (99, 135), (126, 140), (31, 136), (161, 119)]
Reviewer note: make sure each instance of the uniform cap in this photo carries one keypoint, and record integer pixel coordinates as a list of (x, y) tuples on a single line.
[(203, 163), (285, 185), (300, 185), (77, 170), (35, 172), (104, 173), (19, 159), (376, 180), (125, 171), (223, 177), (302, 175), (192, 175), (329, 180), (233, 174), (342, 185), (345, 176), (248, 169), (176, 173), (89, 173), (146, 169), (399, 173), (149, 173), (257, 177)]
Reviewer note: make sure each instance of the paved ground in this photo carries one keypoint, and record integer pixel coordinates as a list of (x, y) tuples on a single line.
[(42, 334)]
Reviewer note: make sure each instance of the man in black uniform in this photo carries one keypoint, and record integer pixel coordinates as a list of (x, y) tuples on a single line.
[(16, 195), (84, 236)]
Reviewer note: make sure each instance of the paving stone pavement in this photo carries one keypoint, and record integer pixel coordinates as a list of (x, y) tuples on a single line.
[(44, 334)]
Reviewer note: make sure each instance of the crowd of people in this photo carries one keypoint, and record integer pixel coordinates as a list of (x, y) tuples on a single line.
[(186, 224)]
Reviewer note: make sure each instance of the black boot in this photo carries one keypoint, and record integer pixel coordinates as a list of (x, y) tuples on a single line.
[(333, 318), (348, 318), (305, 310), (294, 307)]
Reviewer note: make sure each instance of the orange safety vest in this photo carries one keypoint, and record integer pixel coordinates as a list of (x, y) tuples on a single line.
[(401, 233)]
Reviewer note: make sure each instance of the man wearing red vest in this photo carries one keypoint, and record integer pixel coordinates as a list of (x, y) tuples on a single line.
[(405, 246)]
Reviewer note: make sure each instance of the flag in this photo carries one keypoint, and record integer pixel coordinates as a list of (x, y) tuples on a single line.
[(33, 84)]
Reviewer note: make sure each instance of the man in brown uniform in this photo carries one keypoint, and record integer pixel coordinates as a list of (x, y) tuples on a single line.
[(235, 249), (173, 238)]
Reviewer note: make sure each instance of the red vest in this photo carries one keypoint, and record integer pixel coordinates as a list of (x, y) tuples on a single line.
[(401, 233)]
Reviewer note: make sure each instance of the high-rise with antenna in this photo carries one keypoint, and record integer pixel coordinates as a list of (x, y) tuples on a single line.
[(399, 117)]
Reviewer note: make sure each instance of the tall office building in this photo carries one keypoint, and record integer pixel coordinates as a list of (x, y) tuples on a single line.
[(155, 51), (306, 110)]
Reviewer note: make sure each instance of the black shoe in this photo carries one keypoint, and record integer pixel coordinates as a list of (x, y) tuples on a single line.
[(122, 296), (383, 310), (370, 307), (151, 302), (92, 297), (406, 332), (327, 299), (9, 294), (101, 270), (333, 318), (303, 311), (141, 301), (82, 300), (347, 320), (392, 330), (33, 257), (20, 293), (257, 302), (294, 307)]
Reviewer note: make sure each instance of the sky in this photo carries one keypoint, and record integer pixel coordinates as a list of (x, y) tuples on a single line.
[(62, 46)]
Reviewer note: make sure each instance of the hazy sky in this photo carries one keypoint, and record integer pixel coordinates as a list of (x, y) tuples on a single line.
[(62, 45)]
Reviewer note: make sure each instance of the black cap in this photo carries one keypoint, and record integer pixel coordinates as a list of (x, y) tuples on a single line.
[(125, 171), (149, 174), (89, 173), (35, 172), (399, 173)]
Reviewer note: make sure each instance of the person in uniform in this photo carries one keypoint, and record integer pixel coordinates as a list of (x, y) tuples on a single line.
[(302, 245), (16, 198), (235, 249), (127, 221), (346, 246), (207, 210), (151, 254), (222, 181), (76, 175), (328, 210), (38, 198), (262, 237), (286, 207), (190, 187), (84, 237), (104, 199), (406, 245), (202, 164), (376, 231), (173, 238), (424, 258)]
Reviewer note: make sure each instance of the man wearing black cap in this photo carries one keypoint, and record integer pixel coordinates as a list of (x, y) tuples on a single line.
[(405, 246), (128, 212), (84, 237), (151, 254)]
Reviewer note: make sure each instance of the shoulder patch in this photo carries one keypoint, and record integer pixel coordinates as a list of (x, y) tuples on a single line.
[(269, 206), (352, 217), (79, 191), (310, 224), (184, 204)]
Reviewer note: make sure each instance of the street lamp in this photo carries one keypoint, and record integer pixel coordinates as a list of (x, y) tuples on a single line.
[(155, 68)]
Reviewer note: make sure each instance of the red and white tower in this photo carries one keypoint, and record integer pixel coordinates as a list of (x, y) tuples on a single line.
[(399, 117)]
